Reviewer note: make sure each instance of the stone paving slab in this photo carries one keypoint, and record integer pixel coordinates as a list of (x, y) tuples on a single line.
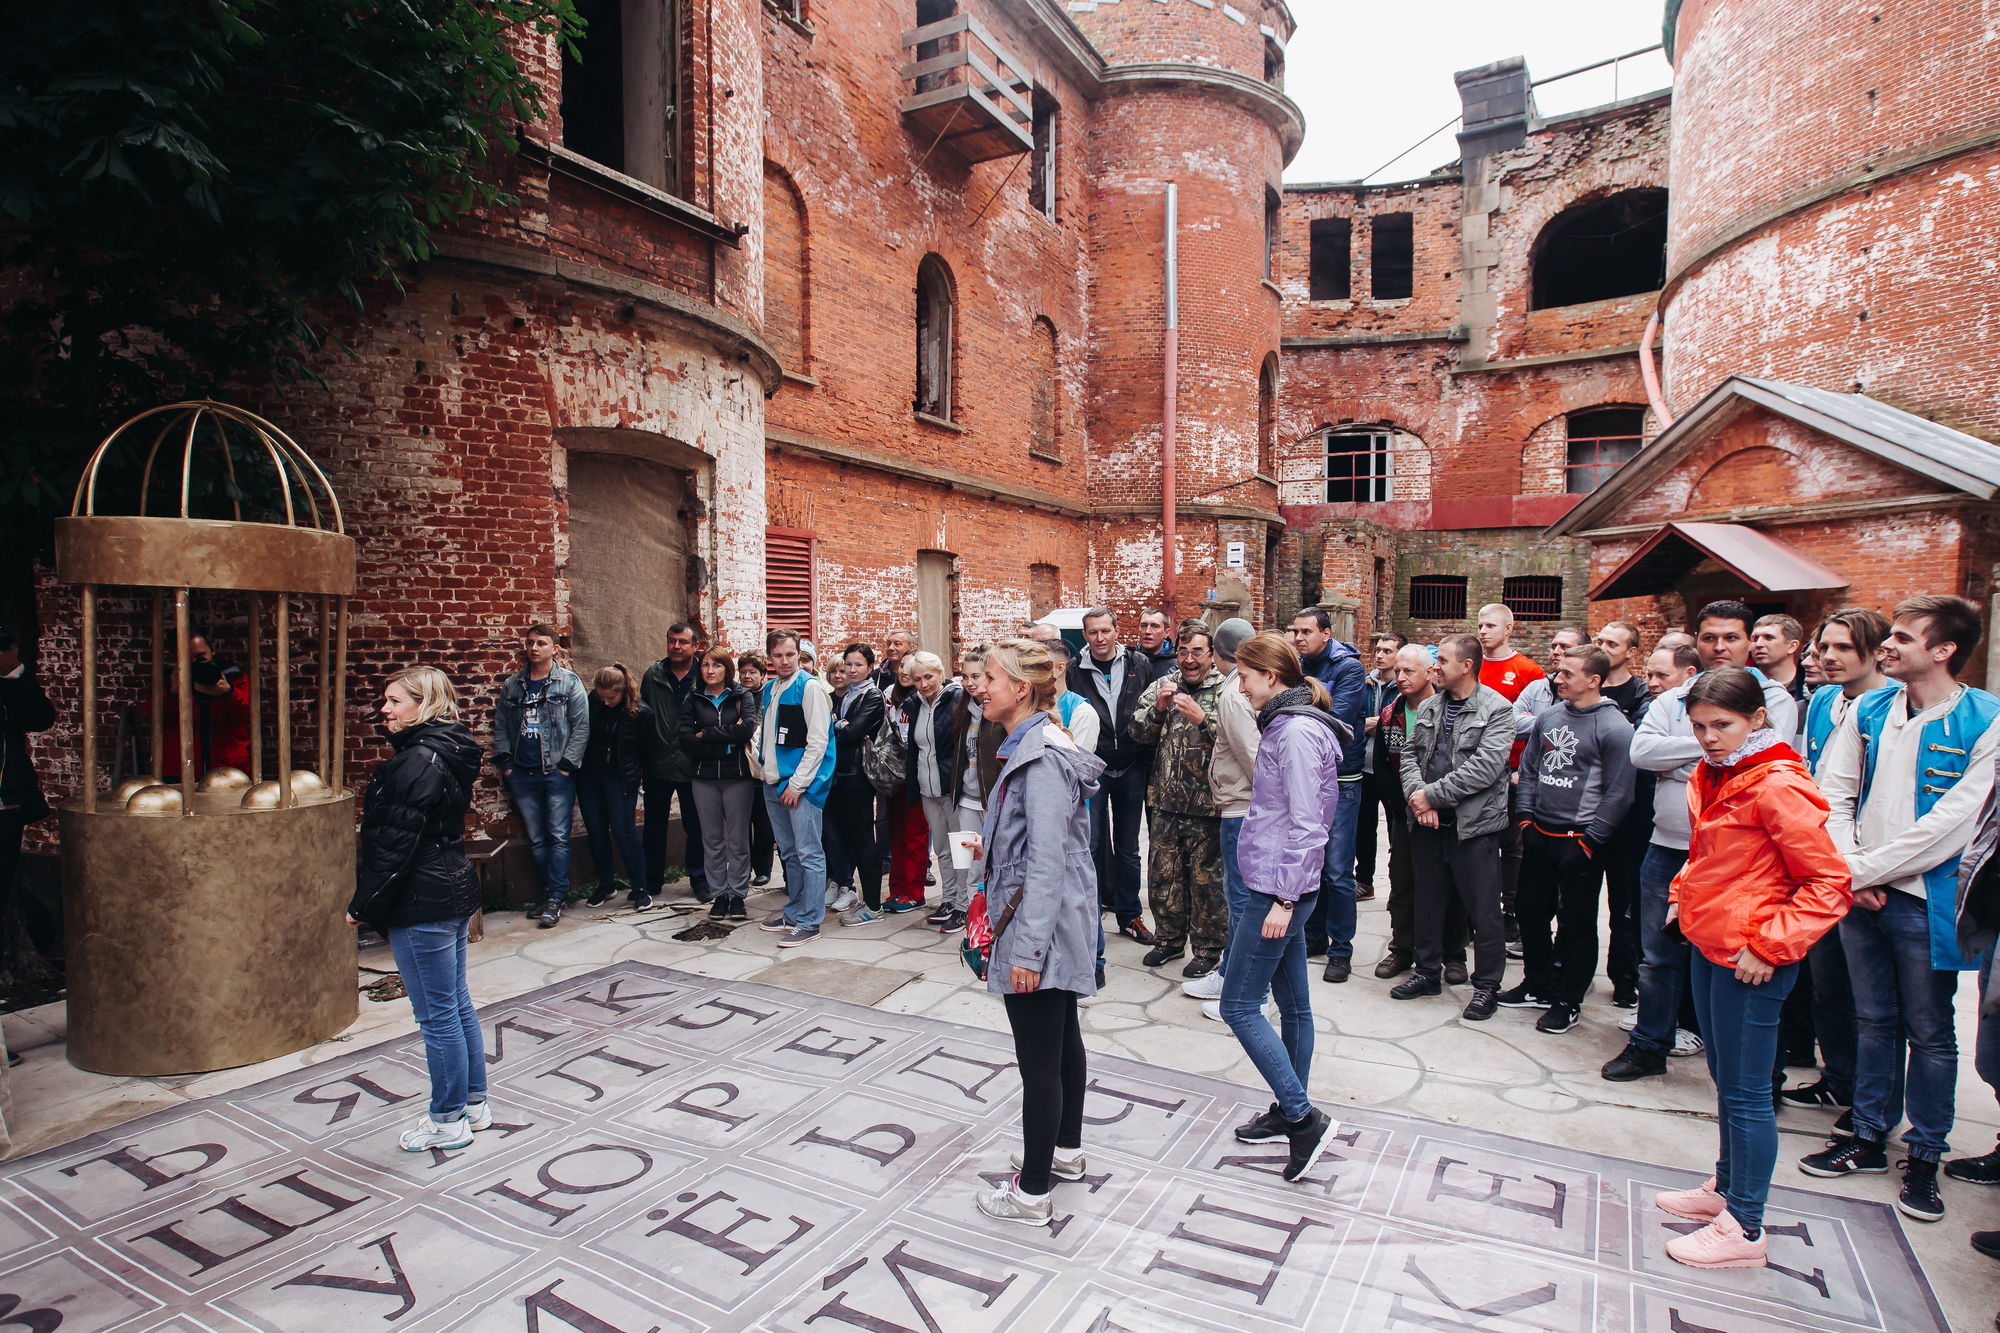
[(680, 1152)]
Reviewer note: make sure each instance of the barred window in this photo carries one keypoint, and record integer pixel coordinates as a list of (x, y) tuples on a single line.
[(1437, 597), (1533, 596)]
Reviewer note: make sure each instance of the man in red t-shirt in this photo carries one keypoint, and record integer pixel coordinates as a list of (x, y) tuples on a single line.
[(1509, 673)]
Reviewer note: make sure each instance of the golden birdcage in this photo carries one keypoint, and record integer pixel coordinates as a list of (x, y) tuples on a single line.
[(204, 918)]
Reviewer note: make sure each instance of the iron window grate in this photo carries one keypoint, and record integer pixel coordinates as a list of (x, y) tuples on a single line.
[(1437, 597), (1533, 596)]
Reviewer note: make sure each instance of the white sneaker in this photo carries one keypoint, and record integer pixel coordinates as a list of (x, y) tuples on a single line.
[(1008, 1204), (427, 1135), (1630, 1021), (1213, 1009), (1204, 988), (843, 902), (479, 1115), (1686, 1043), (1066, 1165)]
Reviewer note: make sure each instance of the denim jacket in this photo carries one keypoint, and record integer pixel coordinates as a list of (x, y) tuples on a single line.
[(565, 719)]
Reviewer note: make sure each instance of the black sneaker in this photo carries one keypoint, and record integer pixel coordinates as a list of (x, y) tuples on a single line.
[(1338, 970), (739, 908), (1843, 1125), (702, 893), (939, 917), (1200, 966), (1136, 930), (1160, 955), (1987, 1243), (599, 895), (760, 881), (719, 909), (1316, 948), (1482, 1004), (952, 924), (642, 901), (550, 914), (1100, 976), (1976, 1170), (1811, 1094), (1847, 1156), (1518, 996), (1309, 1138), (1625, 997), (1634, 1062), (1416, 988), (1920, 1198), (1561, 1017), (1266, 1128)]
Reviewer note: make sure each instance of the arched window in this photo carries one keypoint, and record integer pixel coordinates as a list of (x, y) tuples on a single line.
[(1267, 418), (785, 285), (1601, 440), (1600, 249), (935, 311), (1358, 466), (1044, 400)]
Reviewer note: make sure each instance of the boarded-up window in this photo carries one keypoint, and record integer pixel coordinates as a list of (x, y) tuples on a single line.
[(937, 603), (627, 558), (788, 580), (1044, 417), (785, 286), (1044, 590)]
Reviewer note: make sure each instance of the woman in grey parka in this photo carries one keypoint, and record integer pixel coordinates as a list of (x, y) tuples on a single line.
[(1041, 897)]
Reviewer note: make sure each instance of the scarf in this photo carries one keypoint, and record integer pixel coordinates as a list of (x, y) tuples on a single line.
[(1297, 702), (1760, 740)]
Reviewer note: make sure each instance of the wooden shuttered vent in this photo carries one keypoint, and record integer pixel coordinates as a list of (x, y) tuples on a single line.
[(788, 580)]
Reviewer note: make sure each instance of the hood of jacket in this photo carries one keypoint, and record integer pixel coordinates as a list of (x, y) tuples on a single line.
[(450, 742)]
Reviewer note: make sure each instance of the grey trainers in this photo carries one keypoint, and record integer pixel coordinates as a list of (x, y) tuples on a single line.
[(1064, 1167), (775, 923), (798, 935), (1008, 1204), (479, 1115), (843, 902), (859, 915), (452, 1134)]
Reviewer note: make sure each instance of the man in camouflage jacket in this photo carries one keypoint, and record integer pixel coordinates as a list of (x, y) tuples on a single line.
[(1184, 876)]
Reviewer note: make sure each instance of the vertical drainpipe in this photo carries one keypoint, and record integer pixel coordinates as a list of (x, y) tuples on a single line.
[(1167, 413)]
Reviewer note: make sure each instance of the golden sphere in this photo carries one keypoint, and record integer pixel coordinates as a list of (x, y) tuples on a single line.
[(158, 799), (263, 796), (125, 790), (224, 779), (306, 785)]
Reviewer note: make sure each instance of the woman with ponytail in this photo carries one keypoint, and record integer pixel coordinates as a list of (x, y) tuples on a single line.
[(1041, 900), (608, 781), (1279, 852)]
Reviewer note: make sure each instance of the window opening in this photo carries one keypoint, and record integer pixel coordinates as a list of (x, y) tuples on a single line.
[(929, 12), (1392, 256), (1357, 466), (1533, 596), (1437, 597), (1329, 259), (1274, 64), (618, 91), (1267, 419), (1601, 441), (1607, 248), (1042, 168), (1271, 220), (934, 320), (593, 86)]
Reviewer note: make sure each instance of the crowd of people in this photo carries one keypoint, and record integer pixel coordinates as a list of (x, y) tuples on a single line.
[(1791, 836)]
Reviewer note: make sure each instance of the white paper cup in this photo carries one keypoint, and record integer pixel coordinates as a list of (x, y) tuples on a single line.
[(964, 850)]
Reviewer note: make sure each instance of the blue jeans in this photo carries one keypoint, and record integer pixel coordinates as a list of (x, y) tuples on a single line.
[(797, 829), (1663, 962), (1899, 997), (1332, 917), (1234, 892), (1741, 1023), (547, 802), (1279, 967), (1117, 812), (431, 958), (610, 815)]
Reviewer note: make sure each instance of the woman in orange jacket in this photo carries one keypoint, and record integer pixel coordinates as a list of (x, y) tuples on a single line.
[(1763, 881)]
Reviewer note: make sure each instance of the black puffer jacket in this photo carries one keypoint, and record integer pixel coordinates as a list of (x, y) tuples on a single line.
[(632, 738), (863, 719), (717, 752), (413, 868)]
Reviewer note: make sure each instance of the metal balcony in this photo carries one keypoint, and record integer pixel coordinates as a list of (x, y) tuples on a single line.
[(959, 100)]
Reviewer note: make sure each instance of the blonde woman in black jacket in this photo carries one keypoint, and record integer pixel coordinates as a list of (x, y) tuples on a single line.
[(414, 884)]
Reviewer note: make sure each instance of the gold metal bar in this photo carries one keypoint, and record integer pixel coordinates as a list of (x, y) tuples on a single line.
[(90, 698), (158, 699), (256, 629), (325, 688), (184, 687), (283, 663), (339, 696)]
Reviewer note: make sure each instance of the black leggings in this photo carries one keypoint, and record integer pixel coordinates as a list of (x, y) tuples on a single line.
[(1048, 1046)]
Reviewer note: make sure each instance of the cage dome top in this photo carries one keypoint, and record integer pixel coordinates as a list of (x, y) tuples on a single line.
[(208, 438)]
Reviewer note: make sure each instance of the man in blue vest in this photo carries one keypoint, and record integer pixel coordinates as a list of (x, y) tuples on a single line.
[(1905, 777), (795, 751), (1848, 642)]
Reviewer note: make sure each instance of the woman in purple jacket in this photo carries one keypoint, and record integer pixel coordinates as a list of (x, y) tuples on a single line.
[(1293, 793)]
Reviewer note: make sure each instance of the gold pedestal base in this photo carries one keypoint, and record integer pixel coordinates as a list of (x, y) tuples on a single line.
[(207, 942)]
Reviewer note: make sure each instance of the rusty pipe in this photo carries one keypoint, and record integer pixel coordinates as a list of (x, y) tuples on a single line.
[(1169, 391), (1650, 375)]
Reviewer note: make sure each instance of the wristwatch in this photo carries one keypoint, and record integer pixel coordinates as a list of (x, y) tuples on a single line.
[(1282, 904)]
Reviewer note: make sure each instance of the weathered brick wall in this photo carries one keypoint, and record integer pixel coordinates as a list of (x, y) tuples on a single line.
[(1792, 127), (1200, 32), (1432, 306)]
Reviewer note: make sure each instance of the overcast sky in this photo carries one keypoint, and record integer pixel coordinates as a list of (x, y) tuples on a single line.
[(1373, 76)]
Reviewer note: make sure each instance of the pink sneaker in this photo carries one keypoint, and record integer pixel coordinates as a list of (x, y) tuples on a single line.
[(1720, 1244), (1700, 1204)]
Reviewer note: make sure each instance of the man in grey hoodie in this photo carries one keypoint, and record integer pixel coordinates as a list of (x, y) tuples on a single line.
[(1576, 785)]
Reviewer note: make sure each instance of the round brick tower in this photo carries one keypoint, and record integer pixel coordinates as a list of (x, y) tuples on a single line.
[(1836, 190), (1193, 98)]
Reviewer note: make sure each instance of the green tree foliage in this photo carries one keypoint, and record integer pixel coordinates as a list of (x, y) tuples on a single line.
[(190, 186)]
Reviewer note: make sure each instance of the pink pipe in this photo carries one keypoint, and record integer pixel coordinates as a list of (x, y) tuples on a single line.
[(1650, 375)]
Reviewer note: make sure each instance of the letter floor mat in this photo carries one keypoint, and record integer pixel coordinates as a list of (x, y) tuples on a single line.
[(672, 1152)]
